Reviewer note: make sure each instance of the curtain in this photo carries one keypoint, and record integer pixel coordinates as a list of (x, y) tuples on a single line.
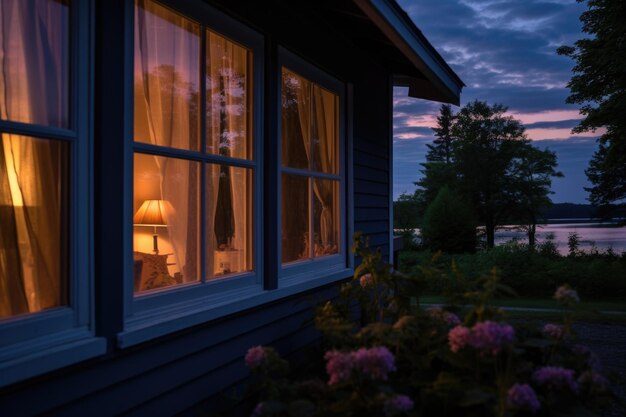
[(228, 134), (166, 79), (34, 56)]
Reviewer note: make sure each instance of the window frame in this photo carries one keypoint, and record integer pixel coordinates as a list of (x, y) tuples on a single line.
[(159, 312), (311, 269), (39, 342)]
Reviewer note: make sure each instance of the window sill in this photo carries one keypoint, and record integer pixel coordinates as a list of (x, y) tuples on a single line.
[(159, 322), (35, 357)]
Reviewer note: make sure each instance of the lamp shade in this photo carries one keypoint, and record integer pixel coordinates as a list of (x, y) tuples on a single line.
[(153, 213)]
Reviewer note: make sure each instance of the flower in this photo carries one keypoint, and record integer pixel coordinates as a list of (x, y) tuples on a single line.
[(458, 338), (553, 331), (255, 357), (491, 337), (444, 316), (554, 377), (523, 396), (376, 362), (339, 366), (258, 410), (566, 295), (593, 381), (397, 404), (590, 358), (366, 280)]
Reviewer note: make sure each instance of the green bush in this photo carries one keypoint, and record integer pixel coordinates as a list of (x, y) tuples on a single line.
[(449, 224)]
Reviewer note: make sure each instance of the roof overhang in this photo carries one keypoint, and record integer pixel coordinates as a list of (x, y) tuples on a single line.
[(440, 83)]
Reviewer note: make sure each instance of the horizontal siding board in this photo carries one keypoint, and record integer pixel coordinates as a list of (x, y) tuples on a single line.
[(371, 214), (372, 227), (378, 147), (370, 160), (368, 187), (363, 200), (380, 176)]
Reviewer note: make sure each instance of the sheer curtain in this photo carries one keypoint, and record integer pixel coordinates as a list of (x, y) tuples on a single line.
[(228, 134), (167, 76), (33, 89)]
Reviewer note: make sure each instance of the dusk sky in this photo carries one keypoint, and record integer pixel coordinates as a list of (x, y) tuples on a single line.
[(505, 52)]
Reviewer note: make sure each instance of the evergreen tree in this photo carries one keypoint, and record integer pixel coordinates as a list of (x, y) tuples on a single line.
[(599, 86)]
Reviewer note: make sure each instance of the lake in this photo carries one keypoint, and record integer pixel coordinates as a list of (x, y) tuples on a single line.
[(602, 235)]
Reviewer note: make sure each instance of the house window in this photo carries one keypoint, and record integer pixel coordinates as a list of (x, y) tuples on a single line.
[(311, 178), (194, 166), (44, 187), (33, 170)]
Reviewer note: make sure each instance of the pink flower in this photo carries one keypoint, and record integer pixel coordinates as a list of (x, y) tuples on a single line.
[(339, 366), (553, 331), (491, 337), (444, 316), (255, 357), (554, 377), (397, 404), (366, 280), (523, 396), (565, 294), (458, 338), (376, 362)]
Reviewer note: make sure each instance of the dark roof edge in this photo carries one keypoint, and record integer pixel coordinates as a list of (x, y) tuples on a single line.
[(396, 24)]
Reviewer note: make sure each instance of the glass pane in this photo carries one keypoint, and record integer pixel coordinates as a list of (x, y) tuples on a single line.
[(324, 131), (326, 216), (228, 98), (229, 220), (33, 224), (296, 120), (295, 218), (34, 61), (166, 226), (167, 77)]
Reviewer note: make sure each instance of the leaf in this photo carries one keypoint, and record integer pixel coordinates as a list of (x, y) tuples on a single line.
[(301, 408), (475, 396)]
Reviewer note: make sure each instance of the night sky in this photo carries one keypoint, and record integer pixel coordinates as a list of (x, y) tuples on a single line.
[(505, 52)]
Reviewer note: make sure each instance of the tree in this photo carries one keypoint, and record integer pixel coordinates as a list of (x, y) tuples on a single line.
[(407, 210), (532, 171), (598, 84), (449, 224), (488, 143)]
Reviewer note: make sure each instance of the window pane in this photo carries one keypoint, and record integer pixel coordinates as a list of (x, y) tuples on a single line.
[(167, 77), (295, 218), (296, 120), (34, 61), (326, 216), (229, 220), (324, 131), (33, 224), (166, 231), (228, 98)]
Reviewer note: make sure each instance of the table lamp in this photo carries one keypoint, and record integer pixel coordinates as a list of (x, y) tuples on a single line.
[(153, 213)]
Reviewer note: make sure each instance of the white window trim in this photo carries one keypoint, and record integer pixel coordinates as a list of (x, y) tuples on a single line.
[(36, 343)]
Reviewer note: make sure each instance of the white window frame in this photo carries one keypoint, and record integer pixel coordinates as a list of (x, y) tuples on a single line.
[(35, 343)]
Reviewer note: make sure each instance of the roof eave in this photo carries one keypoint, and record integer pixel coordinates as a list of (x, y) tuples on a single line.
[(445, 86)]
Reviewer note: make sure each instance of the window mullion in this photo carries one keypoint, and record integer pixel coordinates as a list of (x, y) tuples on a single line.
[(203, 166)]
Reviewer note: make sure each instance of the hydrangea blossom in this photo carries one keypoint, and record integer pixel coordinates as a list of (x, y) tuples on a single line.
[(554, 377), (255, 357), (376, 362), (339, 366), (397, 404), (522, 396), (553, 331), (444, 316), (492, 337), (566, 294), (458, 338), (366, 280)]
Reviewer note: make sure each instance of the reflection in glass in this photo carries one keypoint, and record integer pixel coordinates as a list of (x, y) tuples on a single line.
[(326, 216), (295, 218), (296, 120), (34, 61), (324, 132), (228, 98), (167, 77), (33, 224), (166, 232), (229, 220)]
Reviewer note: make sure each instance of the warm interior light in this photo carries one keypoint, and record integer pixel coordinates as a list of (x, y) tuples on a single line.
[(153, 213)]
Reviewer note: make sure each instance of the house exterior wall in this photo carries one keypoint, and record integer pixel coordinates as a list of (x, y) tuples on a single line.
[(178, 372)]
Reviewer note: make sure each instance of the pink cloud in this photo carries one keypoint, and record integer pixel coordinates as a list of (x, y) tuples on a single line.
[(546, 116), (542, 134)]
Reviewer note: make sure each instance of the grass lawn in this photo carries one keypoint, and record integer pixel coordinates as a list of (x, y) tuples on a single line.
[(587, 311)]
